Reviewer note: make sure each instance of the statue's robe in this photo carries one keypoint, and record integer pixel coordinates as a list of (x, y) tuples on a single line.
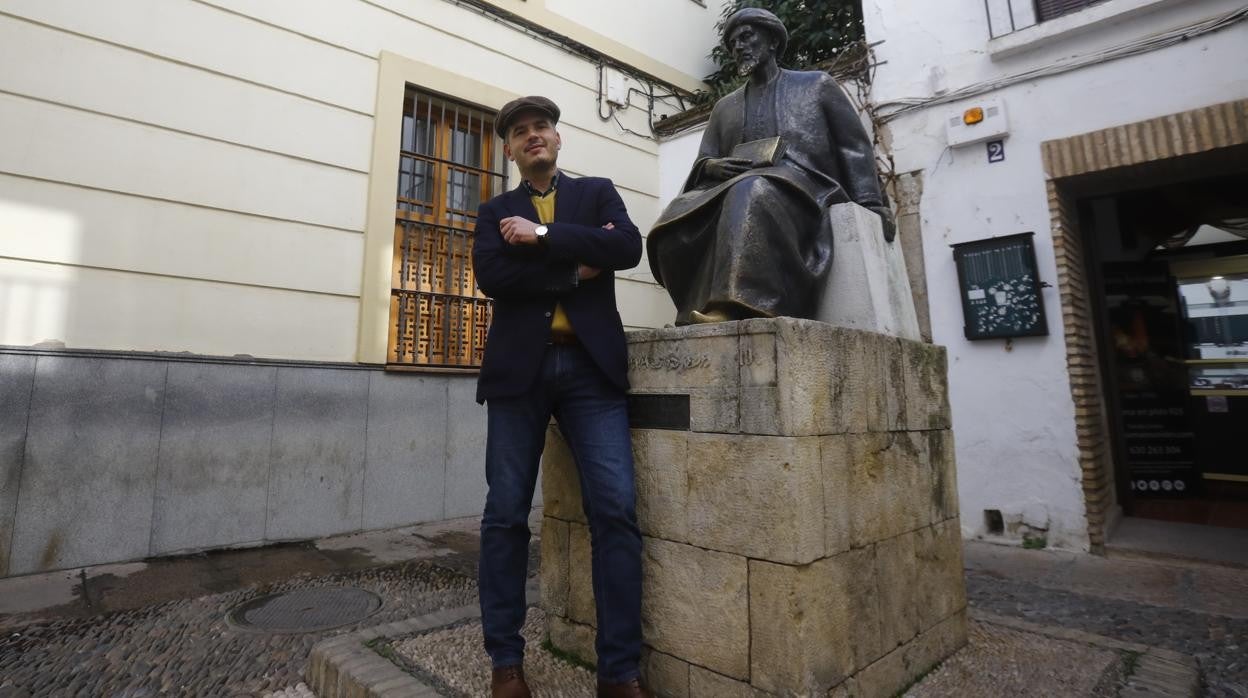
[(761, 242)]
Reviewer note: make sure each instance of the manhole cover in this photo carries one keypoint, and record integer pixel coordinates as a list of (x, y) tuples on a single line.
[(306, 610)]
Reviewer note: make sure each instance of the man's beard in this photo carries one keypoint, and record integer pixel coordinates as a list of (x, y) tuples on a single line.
[(747, 65)]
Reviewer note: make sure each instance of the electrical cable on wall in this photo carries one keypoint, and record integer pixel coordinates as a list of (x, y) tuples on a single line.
[(569, 45), (650, 97), (901, 107)]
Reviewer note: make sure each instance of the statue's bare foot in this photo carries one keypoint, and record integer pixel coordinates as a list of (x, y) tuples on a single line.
[(709, 316)]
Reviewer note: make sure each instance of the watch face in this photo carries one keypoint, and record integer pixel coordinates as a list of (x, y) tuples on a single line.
[(541, 231)]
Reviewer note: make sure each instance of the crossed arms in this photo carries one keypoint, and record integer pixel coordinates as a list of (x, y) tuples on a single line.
[(509, 263)]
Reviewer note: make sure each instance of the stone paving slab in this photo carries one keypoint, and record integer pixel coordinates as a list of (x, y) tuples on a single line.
[(89, 591), (1179, 541)]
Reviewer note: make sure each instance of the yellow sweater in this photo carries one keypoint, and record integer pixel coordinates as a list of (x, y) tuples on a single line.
[(545, 205)]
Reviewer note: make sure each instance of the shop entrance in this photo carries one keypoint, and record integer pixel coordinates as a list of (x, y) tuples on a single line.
[(1168, 265)]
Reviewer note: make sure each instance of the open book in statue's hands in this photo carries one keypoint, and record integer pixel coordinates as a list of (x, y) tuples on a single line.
[(763, 152)]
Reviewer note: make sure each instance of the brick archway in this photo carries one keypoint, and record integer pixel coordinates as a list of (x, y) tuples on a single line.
[(1142, 143)]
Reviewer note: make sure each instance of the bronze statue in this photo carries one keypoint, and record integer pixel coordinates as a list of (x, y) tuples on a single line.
[(749, 236)]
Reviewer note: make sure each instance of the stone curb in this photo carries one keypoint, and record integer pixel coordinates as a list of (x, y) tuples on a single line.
[(345, 666), (1158, 671)]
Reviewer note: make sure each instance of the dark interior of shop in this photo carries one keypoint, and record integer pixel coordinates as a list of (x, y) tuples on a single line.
[(1168, 262)]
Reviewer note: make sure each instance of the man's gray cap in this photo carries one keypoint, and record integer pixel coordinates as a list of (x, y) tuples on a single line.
[(512, 109), (761, 18)]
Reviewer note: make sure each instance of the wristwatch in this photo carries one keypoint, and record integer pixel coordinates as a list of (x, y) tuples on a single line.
[(541, 231)]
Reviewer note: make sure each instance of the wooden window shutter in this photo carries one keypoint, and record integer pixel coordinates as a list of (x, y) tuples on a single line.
[(449, 163)]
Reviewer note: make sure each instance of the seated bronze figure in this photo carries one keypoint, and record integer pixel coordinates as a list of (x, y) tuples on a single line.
[(749, 236)]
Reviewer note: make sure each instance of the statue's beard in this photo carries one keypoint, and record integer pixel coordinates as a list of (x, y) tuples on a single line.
[(747, 65)]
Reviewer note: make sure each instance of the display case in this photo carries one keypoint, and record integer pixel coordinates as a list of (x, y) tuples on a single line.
[(1217, 378), (1213, 295), (1215, 309)]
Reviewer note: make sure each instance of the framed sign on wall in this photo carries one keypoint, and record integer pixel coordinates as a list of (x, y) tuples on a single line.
[(1000, 287)]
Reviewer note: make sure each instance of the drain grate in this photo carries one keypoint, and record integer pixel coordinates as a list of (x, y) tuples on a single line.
[(306, 610)]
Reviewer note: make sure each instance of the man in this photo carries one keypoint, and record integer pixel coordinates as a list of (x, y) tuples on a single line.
[(753, 239), (545, 253)]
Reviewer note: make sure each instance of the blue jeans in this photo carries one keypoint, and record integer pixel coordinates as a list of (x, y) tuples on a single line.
[(593, 417)]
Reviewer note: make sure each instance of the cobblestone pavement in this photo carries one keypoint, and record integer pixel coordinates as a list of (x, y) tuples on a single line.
[(1120, 601), (188, 648), (1217, 642), (161, 645)]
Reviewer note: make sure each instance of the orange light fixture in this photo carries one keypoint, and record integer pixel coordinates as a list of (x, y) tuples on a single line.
[(973, 116)]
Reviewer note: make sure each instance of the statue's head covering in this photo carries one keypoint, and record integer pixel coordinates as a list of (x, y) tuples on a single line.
[(760, 18)]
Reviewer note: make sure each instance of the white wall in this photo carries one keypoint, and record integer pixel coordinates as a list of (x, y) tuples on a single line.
[(192, 175), (676, 156), (1013, 415)]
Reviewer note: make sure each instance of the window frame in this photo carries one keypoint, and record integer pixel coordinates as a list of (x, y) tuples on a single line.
[(395, 73), (438, 318), (1088, 19)]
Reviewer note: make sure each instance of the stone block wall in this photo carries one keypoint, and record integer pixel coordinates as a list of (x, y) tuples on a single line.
[(801, 537)]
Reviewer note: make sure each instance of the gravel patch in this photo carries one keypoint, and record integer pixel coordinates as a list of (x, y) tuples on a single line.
[(997, 661), (1001, 661), (454, 661), (299, 690)]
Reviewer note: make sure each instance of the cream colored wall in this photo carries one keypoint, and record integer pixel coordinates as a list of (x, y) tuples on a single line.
[(194, 175)]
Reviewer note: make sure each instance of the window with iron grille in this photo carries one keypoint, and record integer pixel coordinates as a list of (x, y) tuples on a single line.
[(449, 163), (1052, 9)]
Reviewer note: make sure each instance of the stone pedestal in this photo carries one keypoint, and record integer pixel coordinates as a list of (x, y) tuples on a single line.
[(801, 534)]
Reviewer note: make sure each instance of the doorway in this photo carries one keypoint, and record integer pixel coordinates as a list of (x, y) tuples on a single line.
[(1203, 142), (1168, 266)]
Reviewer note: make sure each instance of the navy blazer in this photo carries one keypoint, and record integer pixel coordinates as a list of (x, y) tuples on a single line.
[(526, 281)]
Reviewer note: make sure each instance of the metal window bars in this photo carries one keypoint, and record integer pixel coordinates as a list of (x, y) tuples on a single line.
[(1008, 16), (449, 163)]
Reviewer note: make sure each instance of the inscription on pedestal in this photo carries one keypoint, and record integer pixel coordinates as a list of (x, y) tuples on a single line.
[(674, 361)]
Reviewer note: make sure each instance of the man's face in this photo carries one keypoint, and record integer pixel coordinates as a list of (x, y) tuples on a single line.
[(751, 47), (532, 141)]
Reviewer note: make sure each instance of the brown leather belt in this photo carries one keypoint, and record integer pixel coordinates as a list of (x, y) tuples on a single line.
[(564, 339)]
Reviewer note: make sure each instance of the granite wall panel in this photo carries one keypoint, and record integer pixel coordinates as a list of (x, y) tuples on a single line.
[(17, 376), (316, 478), (212, 484), (405, 467), (89, 473)]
